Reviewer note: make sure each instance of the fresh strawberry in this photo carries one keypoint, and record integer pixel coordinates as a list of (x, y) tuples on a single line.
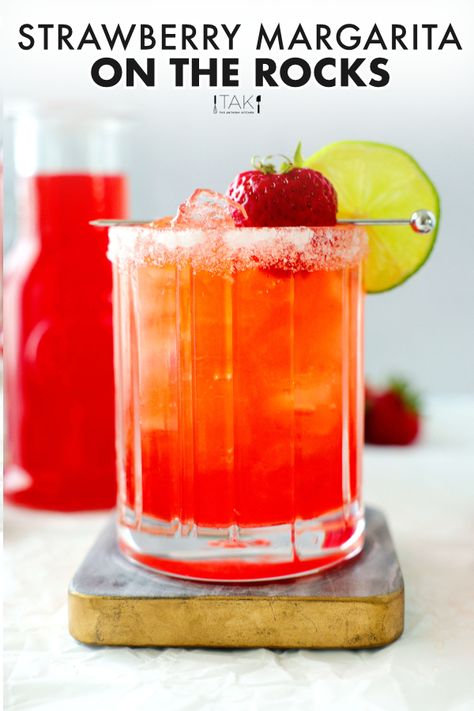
[(292, 197), (392, 416), (370, 394)]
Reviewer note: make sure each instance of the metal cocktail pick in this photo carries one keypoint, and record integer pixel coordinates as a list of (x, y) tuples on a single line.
[(421, 221)]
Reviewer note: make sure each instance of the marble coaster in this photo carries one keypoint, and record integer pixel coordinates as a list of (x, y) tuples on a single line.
[(357, 604)]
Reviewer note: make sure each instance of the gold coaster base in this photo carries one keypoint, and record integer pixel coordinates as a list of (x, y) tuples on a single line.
[(357, 604)]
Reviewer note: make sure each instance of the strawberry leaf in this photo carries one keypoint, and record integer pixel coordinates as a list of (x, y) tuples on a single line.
[(298, 159), (408, 396)]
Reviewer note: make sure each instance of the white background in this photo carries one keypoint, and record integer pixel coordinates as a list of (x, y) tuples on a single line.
[(423, 329)]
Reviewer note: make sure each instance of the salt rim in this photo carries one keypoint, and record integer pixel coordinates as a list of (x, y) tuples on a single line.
[(236, 249)]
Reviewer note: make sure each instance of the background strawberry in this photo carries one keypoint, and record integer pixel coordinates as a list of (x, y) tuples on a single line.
[(292, 197), (392, 416)]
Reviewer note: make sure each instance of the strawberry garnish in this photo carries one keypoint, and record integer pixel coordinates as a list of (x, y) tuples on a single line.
[(392, 416), (291, 196)]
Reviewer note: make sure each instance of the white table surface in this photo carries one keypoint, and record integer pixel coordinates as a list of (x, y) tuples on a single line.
[(427, 492)]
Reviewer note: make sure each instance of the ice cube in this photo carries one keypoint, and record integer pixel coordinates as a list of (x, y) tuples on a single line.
[(206, 209), (161, 223)]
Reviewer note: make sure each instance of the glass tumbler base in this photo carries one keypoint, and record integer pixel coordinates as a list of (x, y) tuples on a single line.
[(240, 554)]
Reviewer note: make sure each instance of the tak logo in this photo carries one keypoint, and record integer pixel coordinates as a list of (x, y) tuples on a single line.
[(236, 104)]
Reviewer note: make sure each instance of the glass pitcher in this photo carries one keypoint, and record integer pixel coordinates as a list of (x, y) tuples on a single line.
[(58, 314)]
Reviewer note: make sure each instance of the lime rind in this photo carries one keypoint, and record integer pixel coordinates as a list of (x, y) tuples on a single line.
[(376, 180)]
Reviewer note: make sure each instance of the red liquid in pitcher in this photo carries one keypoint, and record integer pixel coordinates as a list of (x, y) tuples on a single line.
[(58, 345)]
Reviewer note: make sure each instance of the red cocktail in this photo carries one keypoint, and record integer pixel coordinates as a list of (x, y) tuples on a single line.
[(239, 398)]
